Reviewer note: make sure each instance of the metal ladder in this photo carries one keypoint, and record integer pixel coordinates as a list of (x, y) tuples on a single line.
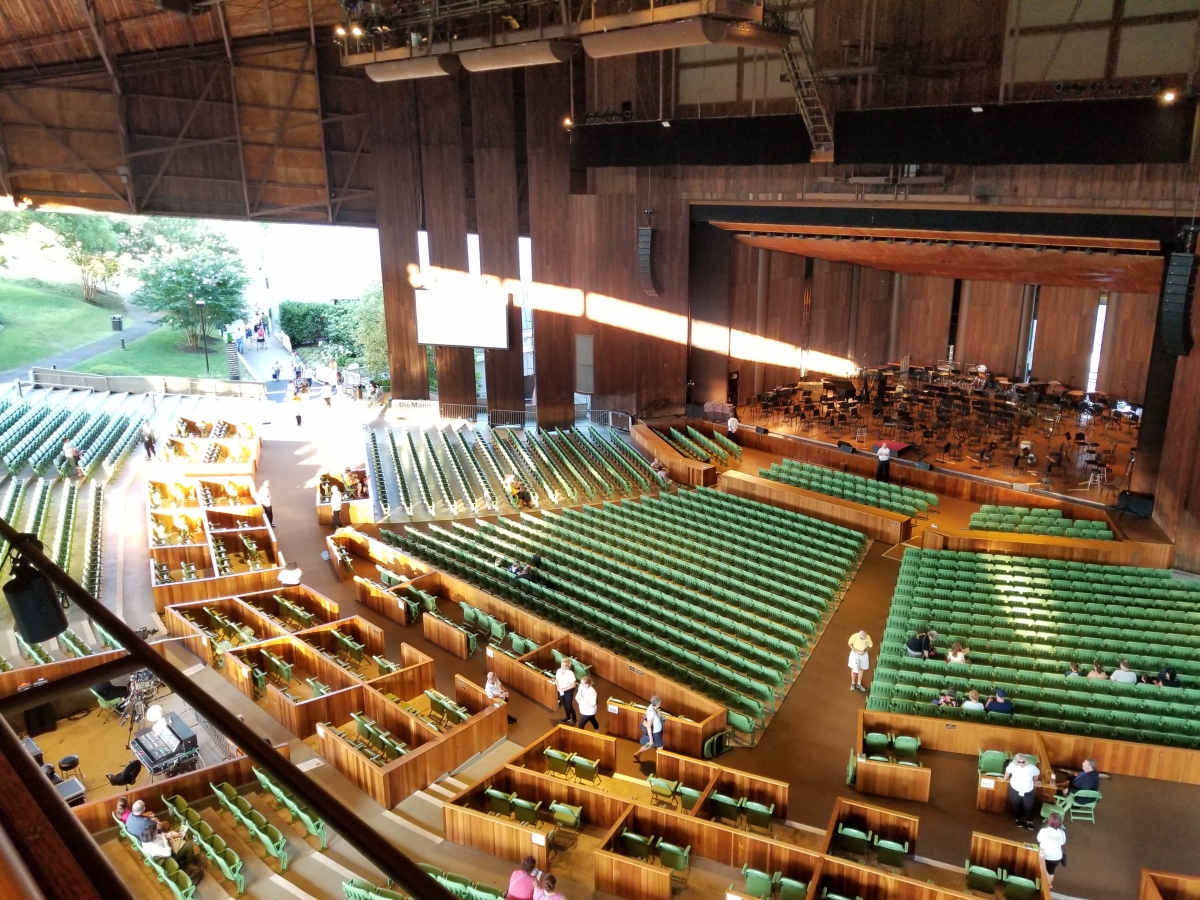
[(799, 57)]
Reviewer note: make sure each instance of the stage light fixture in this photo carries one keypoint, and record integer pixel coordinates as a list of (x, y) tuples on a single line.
[(37, 612), (356, 30), (976, 109), (1168, 97), (340, 31)]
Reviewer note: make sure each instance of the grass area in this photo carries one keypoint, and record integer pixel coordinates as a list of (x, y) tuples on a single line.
[(158, 353), (41, 319)]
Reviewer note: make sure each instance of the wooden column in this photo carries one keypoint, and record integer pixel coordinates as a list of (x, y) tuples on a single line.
[(446, 215), (760, 313), (398, 217), (547, 103), (1022, 357), (494, 132), (894, 322)]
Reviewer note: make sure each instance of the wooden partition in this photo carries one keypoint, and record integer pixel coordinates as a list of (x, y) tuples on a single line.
[(445, 635), (375, 550), (878, 524), (886, 823), (96, 816), (569, 739), (708, 777), (323, 609), (240, 583), (302, 718), (356, 627), (854, 880), (1014, 857), (384, 601), (389, 785), (1115, 757), (1109, 553), (11, 681), (680, 468), (1168, 886), (414, 678), (888, 779), (471, 696)]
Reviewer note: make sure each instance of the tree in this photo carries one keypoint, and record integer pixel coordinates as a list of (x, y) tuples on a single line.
[(11, 222), (370, 334), (95, 244), (171, 285)]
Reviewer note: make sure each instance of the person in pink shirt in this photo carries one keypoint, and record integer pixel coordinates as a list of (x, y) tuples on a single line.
[(522, 883), (546, 891)]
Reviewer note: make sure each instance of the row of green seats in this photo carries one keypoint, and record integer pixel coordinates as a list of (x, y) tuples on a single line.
[(271, 838), (211, 843), (615, 458), (165, 869), (843, 491), (298, 811), (846, 481)]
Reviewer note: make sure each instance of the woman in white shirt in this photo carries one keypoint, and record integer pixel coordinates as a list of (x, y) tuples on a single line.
[(586, 697), (1050, 844), (651, 729), (564, 679), (957, 654), (1022, 776), (973, 702)]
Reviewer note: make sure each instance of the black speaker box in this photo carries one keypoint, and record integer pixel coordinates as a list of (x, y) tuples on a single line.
[(758, 429), (1140, 505), (845, 447), (924, 466), (1175, 311), (40, 720)]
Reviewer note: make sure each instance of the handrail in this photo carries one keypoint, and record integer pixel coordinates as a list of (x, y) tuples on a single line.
[(353, 828)]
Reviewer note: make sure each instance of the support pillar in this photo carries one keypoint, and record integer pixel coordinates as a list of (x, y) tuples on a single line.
[(1019, 372), (894, 323), (760, 313), (855, 311), (398, 217), (964, 308)]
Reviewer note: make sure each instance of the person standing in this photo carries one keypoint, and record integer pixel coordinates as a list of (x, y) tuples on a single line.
[(732, 424), (264, 500), (335, 503), (1021, 776), (1050, 840), (588, 701), (564, 680), (884, 455), (651, 728), (860, 643), (327, 395), (295, 391), (148, 440)]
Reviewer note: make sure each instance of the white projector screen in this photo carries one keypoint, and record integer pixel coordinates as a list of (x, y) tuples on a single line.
[(458, 318)]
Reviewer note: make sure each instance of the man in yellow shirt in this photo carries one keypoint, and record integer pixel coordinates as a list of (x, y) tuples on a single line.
[(860, 643)]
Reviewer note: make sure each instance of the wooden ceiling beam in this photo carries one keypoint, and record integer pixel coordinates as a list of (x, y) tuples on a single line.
[(300, 72), (312, 28), (354, 195), (341, 197), (233, 97), (170, 154)]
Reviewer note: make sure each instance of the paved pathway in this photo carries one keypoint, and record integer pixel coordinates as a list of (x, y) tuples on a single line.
[(69, 358), (256, 365)]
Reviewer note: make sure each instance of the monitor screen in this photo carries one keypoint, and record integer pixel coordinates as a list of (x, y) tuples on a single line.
[(454, 317)]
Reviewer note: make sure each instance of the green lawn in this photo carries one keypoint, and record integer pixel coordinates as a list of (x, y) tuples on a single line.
[(41, 319), (156, 354)]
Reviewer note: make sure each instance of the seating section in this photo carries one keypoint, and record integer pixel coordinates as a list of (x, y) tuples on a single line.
[(174, 879), (718, 593), (272, 840), (371, 741), (1046, 522), (211, 844), (297, 810), (903, 500), (1025, 620)]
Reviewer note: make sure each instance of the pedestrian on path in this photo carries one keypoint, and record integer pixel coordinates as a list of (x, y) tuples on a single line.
[(148, 440), (327, 395), (564, 680), (294, 391), (335, 503), (860, 643), (264, 500)]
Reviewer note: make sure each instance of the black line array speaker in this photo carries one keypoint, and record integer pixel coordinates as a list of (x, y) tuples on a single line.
[(646, 260), (1175, 311)]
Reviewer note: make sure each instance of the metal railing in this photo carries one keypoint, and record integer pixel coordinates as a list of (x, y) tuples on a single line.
[(147, 384), (512, 418), (469, 411), (348, 824)]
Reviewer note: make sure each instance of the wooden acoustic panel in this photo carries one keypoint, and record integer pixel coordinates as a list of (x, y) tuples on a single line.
[(893, 780), (1136, 273), (1168, 886), (887, 823), (1109, 553)]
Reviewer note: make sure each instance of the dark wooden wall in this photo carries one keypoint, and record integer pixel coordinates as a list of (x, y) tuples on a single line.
[(874, 316), (990, 333), (445, 212), (924, 318), (397, 198), (1066, 326), (830, 328), (493, 127), (1128, 335)]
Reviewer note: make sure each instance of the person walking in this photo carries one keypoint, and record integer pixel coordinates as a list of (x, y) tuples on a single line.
[(148, 440), (860, 643), (651, 729), (295, 389), (1050, 841), (884, 455), (1022, 776), (327, 395), (588, 702), (290, 576), (335, 503), (264, 500), (564, 680)]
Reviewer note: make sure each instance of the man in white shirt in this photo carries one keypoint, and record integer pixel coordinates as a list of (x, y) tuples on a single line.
[(494, 689), (883, 453), (1022, 776), (564, 679), (1124, 675), (335, 504), (732, 424), (290, 576)]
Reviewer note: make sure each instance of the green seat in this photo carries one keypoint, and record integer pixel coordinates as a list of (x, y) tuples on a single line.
[(526, 812), (890, 853), (725, 808), (758, 884), (790, 888), (688, 797), (566, 815), (853, 840), (230, 865), (992, 763), (663, 791), (906, 747), (109, 706), (635, 845), (1017, 887), (876, 743), (758, 815), (674, 857), (557, 762), (827, 894), (500, 803), (180, 885), (586, 769), (982, 879), (1083, 806)]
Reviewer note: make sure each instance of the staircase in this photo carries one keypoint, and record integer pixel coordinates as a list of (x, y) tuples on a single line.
[(800, 59)]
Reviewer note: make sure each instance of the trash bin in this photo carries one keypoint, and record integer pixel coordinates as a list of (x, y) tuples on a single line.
[(118, 323)]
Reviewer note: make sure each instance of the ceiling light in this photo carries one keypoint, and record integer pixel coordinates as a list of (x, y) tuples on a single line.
[(976, 109), (340, 31), (356, 31), (567, 122), (1168, 97), (666, 124)]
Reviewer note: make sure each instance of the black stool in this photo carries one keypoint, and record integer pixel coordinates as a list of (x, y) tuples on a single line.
[(69, 767)]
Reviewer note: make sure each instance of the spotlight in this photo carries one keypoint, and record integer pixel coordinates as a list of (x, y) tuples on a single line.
[(356, 31), (976, 109), (666, 124), (567, 122), (1168, 97), (36, 610), (340, 31)]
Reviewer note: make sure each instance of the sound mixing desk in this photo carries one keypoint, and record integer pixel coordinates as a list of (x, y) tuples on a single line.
[(166, 745)]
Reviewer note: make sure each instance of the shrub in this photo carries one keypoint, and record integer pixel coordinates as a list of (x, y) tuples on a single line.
[(304, 323)]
